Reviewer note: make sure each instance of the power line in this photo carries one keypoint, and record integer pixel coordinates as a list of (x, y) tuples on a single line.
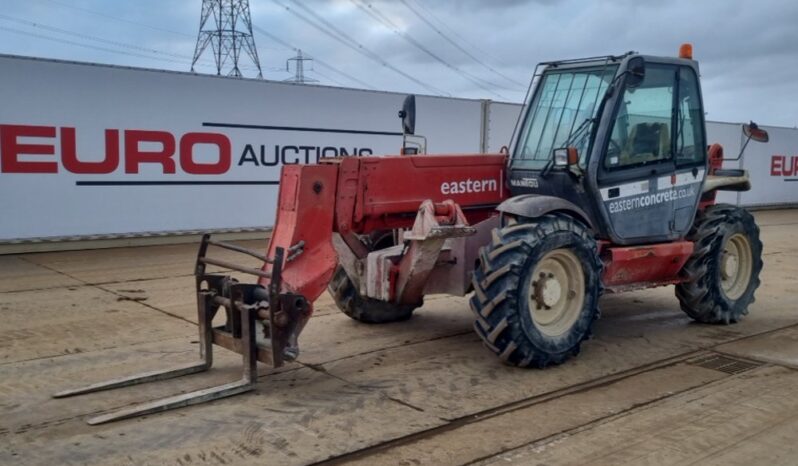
[(89, 37), (100, 40), (162, 56), (123, 20), (89, 46), (346, 40), (115, 18), (373, 12), (459, 36), (343, 38), (119, 44), (457, 45), (452, 30), (346, 75), (318, 60), (328, 77)]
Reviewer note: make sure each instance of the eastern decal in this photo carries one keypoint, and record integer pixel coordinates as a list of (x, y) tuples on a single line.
[(469, 186)]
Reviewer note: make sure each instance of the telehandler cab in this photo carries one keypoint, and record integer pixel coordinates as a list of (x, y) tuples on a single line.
[(608, 185)]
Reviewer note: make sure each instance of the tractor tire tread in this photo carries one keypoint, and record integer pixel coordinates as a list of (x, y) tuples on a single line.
[(700, 294), (362, 308), (499, 279)]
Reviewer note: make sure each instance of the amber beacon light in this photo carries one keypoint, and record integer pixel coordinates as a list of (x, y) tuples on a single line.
[(686, 51)]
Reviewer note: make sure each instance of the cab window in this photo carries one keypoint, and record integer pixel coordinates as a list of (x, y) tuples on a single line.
[(690, 142), (563, 107), (643, 129)]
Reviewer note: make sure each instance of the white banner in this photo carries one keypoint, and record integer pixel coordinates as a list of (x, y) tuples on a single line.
[(773, 168), (95, 150), (99, 150)]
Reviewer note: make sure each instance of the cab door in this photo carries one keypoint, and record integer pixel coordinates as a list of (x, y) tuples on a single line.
[(689, 151), (635, 176)]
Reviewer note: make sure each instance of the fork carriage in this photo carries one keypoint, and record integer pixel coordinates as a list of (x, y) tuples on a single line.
[(262, 324)]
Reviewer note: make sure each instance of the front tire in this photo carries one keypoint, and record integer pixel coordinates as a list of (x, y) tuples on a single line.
[(536, 290), (722, 274), (361, 308)]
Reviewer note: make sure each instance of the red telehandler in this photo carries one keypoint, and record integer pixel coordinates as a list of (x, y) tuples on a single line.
[(608, 185)]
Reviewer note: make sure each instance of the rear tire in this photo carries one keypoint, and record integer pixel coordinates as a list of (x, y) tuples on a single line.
[(536, 290), (361, 308), (722, 274)]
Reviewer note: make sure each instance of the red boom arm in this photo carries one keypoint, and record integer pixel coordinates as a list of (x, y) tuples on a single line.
[(355, 196)]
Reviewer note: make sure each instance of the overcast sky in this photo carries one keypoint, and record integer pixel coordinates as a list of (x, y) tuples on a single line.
[(747, 50)]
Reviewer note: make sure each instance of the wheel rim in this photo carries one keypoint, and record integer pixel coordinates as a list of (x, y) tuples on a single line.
[(556, 292), (735, 266)]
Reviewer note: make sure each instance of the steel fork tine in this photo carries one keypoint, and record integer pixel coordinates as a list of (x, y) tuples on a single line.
[(245, 384), (239, 335), (143, 377), (177, 401), (204, 318)]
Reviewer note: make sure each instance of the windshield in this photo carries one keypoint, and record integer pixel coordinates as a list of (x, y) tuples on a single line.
[(560, 114)]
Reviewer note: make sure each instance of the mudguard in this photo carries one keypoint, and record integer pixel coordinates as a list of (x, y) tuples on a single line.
[(728, 180), (535, 205)]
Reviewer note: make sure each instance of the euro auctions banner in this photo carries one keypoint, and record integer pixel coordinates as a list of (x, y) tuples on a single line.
[(773, 168), (98, 150), (90, 150)]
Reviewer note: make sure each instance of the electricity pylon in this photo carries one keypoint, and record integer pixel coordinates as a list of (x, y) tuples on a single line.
[(226, 26), (299, 68)]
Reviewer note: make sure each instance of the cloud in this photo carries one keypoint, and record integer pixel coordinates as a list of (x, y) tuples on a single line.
[(747, 50)]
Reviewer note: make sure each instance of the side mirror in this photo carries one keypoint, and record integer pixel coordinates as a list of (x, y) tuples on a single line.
[(752, 131), (637, 72), (408, 115), (566, 157)]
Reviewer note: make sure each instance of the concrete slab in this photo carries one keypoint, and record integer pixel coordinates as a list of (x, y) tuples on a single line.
[(46, 323), (28, 386), (488, 435), (18, 274), (747, 419), (455, 377), (123, 264), (296, 417), (336, 337), (330, 335), (779, 347), (176, 295), (360, 386), (774, 217)]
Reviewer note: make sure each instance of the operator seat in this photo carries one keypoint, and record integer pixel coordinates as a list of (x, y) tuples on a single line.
[(646, 142)]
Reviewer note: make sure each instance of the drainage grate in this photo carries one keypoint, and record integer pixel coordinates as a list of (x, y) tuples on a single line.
[(724, 364)]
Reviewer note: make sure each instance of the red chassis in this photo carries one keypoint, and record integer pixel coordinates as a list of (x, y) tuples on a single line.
[(446, 206)]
